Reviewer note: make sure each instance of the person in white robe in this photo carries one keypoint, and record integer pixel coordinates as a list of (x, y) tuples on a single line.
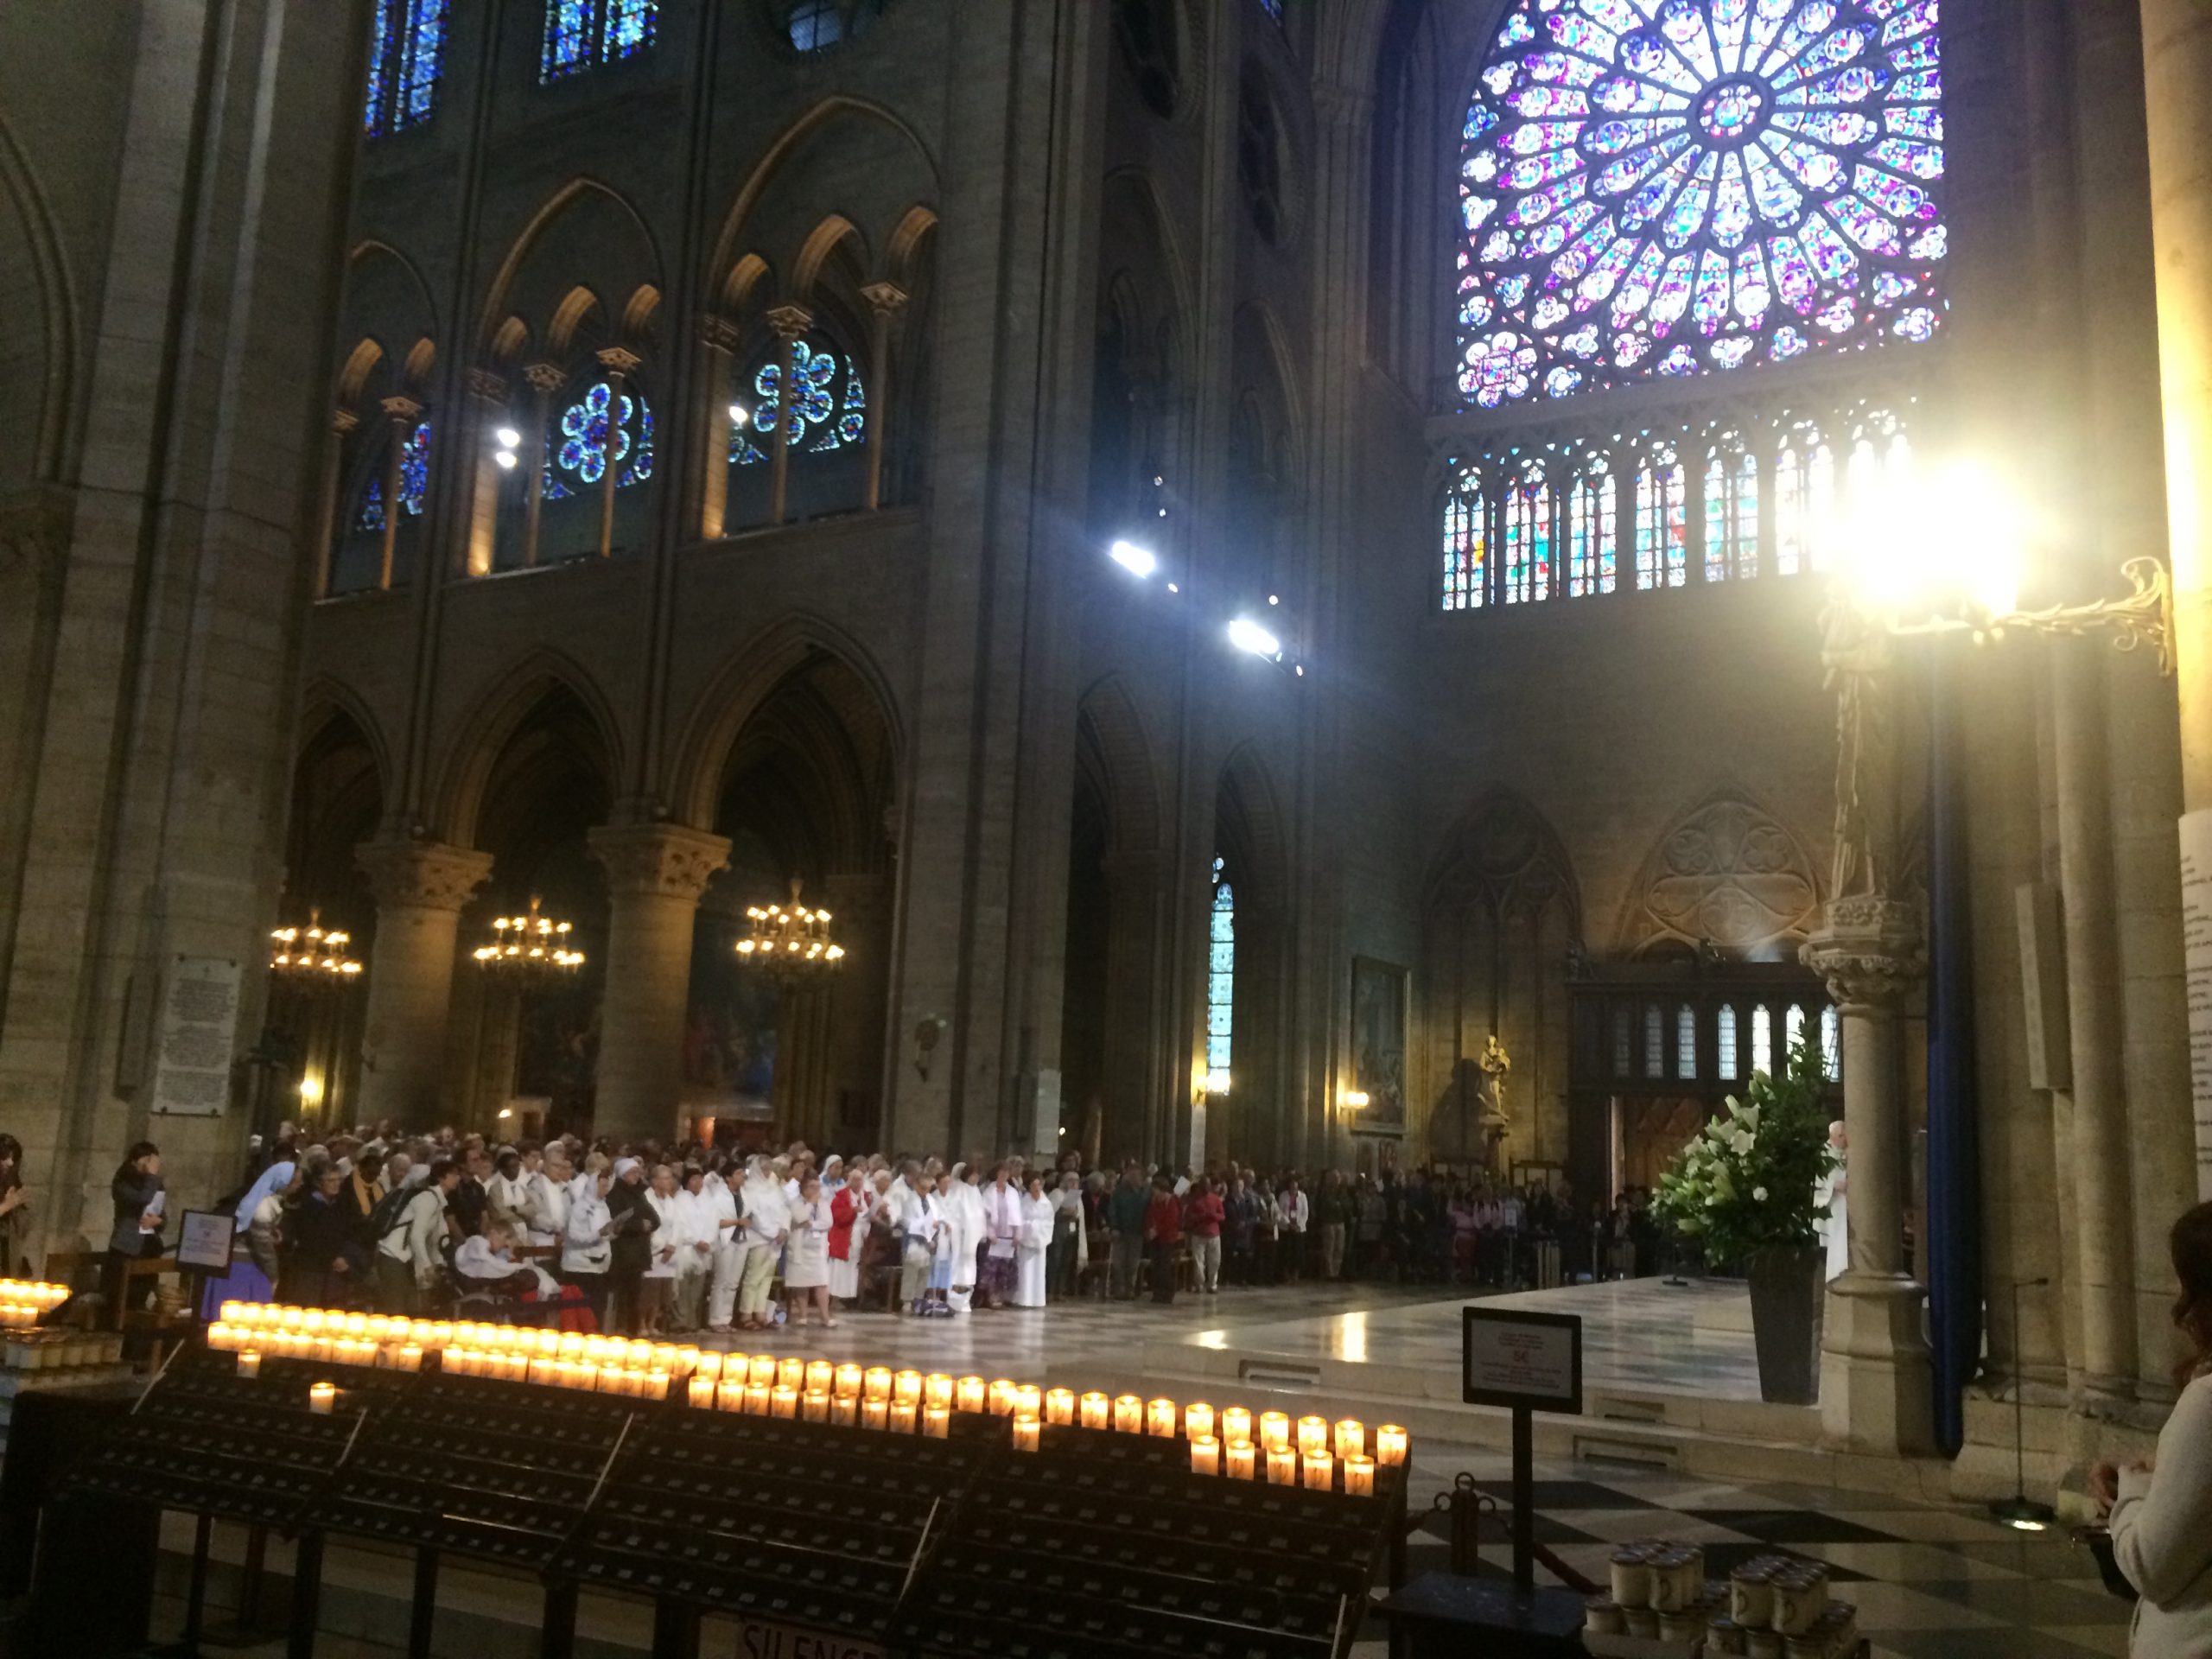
[(806, 1257), (657, 1291), (962, 1207), (727, 1259), (1833, 1190), (587, 1243), (549, 1196), (695, 1223), (487, 1259), (1031, 1245), (507, 1196), (767, 1226), (1002, 1218)]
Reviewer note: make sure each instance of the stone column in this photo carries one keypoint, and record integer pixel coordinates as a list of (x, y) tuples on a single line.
[(655, 876), (547, 379), (718, 346), (474, 472), (1877, 1389), (859, 913), (2177, 68), (342, 421), (420, 889), (619, 366), (789, 323), (403, 412), (885, 301)]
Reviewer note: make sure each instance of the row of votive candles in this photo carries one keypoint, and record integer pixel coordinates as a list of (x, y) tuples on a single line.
[(1240, 1460), (26, 1301)]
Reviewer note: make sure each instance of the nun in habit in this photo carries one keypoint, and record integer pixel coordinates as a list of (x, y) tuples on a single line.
[(260, 1219), (963, 1209), (1031, 1244)]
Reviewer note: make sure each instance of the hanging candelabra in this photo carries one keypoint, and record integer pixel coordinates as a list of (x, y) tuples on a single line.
[(312, 958), (791, 941), (530, 948)]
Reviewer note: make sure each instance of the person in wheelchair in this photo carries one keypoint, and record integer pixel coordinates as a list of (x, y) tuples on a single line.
[(490, 1284)]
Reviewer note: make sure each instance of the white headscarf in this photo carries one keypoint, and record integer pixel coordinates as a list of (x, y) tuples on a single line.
[(275, 1178), (624, 1166)]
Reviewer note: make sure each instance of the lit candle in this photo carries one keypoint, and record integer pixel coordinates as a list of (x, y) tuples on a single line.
[(441, 1335), (937, 1423), (1313, 1435), (1001, 1397), (1159, 1418), (876, 1413), (232, 1313), (1025, 1433), (1096, 1409), (876, 1384), (815, 1406), (1359, 1475), (248, 1362), (1059, 1406), (655, 1386), (845, 1411), (546, 1346), (411, 1357), (1028, 1399), (357, 1326), (662, 1359), (902, 1417), (637, 1356), (1390, 1448), (292, 1318), (729, 1396), (322, 1399), (786, 1403), (937, 1392), (1128, 1414), (907, 1389), (1243, 1456), (1282, 1466), (710, 1365), (1351, 1438), (759, 1401), (761, 1374), (1197, 1420), (819, 1375), (702, 1390), (687, 1360), (790, 1373), (1320, 1472), (973, 1395), (1206, 1455), (848, 1382), (1274, 1431), (311, 1322), (591, 1379)]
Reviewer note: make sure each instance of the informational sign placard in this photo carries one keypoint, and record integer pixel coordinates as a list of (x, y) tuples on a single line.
[(756, 1640), (205, 1240), (1531, 1362), (2196, 958), (199, 1019)]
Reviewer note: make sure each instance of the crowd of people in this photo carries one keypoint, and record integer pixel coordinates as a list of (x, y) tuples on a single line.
[(651, 1239)]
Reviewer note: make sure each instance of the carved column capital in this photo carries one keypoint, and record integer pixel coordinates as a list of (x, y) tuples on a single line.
[(547, 377), (720, 334), (658, 859), (788, 322), (421, 875), (490, 387), (343, 421), (1870, 950), (405, 410), (887, 298), (615, 360)]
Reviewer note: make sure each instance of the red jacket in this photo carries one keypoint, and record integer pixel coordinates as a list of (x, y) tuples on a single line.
[(1202, 1214), (844, 1210), (1163, 1219)]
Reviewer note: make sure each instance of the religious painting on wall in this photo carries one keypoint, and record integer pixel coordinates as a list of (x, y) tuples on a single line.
[(729, 1028), (557, 1056), (1378, 1045)]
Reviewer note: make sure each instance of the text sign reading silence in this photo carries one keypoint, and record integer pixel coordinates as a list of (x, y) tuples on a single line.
[(758, 1641), (1514, 1358)]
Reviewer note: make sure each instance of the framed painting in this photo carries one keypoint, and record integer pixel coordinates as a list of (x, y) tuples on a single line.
[(1378, 1045)]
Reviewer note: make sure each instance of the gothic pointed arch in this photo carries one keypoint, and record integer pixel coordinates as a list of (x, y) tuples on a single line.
[(585, 232), (1727, 873), (1111, 741), (482, 735), (44, 356)]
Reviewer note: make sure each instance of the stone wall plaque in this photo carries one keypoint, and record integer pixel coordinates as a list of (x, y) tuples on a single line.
[(198, 1032)]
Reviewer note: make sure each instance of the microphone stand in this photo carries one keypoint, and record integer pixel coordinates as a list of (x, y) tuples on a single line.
[(2019, 1511)]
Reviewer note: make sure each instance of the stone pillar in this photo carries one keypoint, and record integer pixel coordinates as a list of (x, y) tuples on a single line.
[(474, 472), (619, 366), (1876, 1390), (2177, 68), (789, 323), (403, 413), (547, 379), (718, 346), (655, 876), (342, 422), (859, 912), (885, 301), (420, 889)]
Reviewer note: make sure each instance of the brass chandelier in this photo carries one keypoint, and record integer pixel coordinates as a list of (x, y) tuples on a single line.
[(312, 958), (528, 948), (791, 941)]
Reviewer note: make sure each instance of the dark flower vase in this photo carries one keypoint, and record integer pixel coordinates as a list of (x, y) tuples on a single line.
[(1788, 1289)]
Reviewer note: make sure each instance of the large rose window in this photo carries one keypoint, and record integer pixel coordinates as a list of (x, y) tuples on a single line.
[(1680, 187)]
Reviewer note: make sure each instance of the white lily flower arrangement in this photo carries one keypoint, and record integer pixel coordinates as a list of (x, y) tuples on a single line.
[(1747, 1181)]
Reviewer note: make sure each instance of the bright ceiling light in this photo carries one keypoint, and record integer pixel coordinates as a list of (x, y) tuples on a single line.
[(506, 459), (1247, 635), (737, 414), (1138, 560), (508, 437)]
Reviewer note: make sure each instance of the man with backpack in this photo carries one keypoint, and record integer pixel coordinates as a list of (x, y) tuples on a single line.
[(409, 1225)]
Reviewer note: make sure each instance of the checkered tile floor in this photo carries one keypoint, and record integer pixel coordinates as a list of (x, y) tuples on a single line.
[(1929, 1583)]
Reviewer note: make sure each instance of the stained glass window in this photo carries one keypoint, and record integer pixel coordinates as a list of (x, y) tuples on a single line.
[(1466, 538), (407, 49), (414, 482), (1804, 497), (1683, 187), (1686, 1041), (581, 34), (576, 446), (1724, 1044), (817, 25), (1525, 547), (1731, 510), (1662, 554), (829, 412), (1620, 1043), (1591, 539), (1221, 980), (1793, 1028), (1274, 8), (1762, 1041), (1654, 1041), (1831, 1046)]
